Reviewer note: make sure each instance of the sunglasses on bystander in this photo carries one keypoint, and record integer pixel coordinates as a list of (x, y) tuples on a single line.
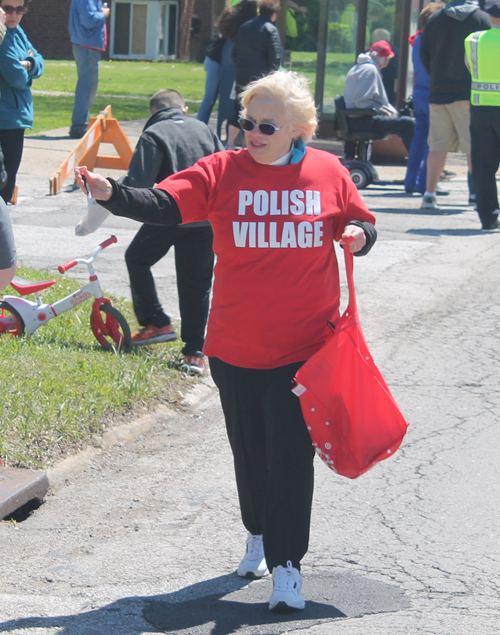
[(19, 10)]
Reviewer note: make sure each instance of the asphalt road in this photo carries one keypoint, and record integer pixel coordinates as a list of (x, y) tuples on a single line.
[(144, 536)]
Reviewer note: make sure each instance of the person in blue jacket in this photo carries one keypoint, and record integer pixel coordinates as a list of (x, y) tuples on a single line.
[(88, 34), (416, 170), (20, 64)]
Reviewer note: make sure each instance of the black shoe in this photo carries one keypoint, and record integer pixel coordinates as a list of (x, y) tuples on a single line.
[(446, 175), (76, 134), (495, 224)]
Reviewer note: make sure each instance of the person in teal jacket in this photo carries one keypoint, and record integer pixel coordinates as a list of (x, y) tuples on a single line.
[(20, 64), (3, 31)]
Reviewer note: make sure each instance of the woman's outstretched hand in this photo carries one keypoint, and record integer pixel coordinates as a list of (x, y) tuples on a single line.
[(94, 184), (354, 237)]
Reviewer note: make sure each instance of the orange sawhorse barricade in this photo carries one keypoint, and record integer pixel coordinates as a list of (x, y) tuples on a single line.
[(101, 129)]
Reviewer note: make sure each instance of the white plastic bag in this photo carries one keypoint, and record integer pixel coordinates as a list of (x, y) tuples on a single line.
[(93, 218)]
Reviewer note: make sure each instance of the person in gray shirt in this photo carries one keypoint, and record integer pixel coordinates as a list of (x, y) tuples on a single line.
[(364, 88)]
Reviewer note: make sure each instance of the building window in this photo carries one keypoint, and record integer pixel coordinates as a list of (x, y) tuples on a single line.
[(143, 30), (168, 30)]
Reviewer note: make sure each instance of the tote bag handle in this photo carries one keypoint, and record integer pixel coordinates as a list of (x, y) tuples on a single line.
[(352, 306)]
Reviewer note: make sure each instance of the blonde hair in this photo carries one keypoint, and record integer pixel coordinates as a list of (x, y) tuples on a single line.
[(293, 90)]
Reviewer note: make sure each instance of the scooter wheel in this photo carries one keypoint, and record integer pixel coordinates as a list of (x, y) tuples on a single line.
[(359, 178), (10, 320)]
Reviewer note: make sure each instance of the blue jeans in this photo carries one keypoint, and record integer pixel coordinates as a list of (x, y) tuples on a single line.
[(416, 171), (87, 67), (212, 79)]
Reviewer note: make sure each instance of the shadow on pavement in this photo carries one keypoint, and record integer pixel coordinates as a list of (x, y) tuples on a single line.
[(384, 186), (443, 211), (44, 137), (227, 605), (446, 232)]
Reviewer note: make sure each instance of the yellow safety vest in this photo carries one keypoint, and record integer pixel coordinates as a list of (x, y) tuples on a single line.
[(483, 54)]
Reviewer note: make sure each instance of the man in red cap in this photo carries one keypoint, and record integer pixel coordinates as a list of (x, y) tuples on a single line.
[(364, 88)]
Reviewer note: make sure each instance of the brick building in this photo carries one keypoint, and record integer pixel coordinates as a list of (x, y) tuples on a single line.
[(138, 29)]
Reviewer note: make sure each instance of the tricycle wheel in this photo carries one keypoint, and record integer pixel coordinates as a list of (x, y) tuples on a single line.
[(114, 331), (10, 320)]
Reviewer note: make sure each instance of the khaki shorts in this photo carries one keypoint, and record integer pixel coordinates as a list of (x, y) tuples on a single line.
[(449, 127)]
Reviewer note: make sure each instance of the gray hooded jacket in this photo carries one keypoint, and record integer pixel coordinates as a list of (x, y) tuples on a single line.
[(364, 87)]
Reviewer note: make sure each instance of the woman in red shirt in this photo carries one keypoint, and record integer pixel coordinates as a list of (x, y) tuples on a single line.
[(276, 208)]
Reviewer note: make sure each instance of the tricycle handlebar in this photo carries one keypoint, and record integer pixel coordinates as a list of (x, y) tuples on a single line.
[(72, 263), (68, 265), (108, 242)]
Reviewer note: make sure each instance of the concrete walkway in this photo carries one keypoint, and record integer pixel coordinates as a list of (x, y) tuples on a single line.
[(144, 536)]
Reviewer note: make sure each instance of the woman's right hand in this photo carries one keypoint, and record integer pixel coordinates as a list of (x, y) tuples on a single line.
[(3, 16), (94, 184)]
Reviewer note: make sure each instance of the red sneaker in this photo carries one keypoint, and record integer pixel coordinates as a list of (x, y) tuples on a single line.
[(194, 364), (153, 335)]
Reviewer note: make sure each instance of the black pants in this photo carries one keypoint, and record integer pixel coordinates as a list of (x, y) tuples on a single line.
[(384, 124), (233, 121), (485, 156), (12, 142), (194, 261), (273, 456)]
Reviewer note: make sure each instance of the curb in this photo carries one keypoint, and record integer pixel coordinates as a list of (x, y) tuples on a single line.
[(122, 434), (201, 391), (18, 487), (112, 437)]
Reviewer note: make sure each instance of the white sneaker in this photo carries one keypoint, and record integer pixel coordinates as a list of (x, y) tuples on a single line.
[(429, 202), (253, 565), (287, 585)]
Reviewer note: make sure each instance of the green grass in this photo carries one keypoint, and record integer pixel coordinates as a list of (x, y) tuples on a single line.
[(60, 387), (129, 79), (55, 112), (139, 80)]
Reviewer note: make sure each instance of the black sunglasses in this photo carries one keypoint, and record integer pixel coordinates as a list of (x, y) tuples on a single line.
[(266, 128), (19, 10)]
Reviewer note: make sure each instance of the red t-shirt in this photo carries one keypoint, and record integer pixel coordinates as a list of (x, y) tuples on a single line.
[(276, 279)]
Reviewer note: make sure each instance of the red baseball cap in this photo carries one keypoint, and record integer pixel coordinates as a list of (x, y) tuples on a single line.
[(382, 48)]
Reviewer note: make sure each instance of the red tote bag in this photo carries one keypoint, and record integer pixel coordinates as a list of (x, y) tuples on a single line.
[(350, 413)]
